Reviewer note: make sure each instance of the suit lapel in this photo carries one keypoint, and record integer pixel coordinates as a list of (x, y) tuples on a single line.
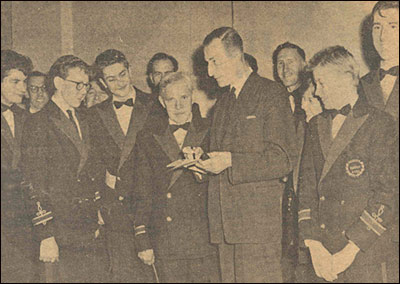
[(138, 118), (300, 133), (168, 144), (6, 133), (109, 118), (84, 142), (373, 90), (343, 138), (221, 113), (325, 137), (392, 104)]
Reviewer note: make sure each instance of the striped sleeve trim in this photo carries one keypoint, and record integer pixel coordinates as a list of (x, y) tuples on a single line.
[(140, 230), (304, 214), (372, 224), (42, 219)]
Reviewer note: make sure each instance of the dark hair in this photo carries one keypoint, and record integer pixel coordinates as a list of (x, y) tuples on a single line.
[(252, 61), (61, 67), (161, 56), (276, 52), (383, 5), (110, 57), (13, 60), (36, 74), (229, 38)]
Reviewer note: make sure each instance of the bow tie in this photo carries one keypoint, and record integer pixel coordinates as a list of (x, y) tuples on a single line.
[(5, 107), (394, 71), (175, 127), (128, 102), (333, 112)]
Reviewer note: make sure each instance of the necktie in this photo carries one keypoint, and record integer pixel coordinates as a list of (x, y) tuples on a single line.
[(333, 112), (71, 118), (128, 102), (175, 127), (394, 71)]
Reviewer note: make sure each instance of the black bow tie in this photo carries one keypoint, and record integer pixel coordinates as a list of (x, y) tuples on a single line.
[(128, 102), (175, 127), (5, 107), (333, 112), (394, 71)]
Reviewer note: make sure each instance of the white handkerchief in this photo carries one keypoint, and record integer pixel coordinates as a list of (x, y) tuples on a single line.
[(250, 117)]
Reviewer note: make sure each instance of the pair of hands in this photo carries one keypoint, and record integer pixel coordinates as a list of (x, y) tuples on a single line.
[(329, 266), (218, 162)]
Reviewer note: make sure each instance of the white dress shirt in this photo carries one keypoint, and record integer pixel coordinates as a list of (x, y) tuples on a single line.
[(60, 102), (180, 134), (124, 113), (9, 117), (339, 119)]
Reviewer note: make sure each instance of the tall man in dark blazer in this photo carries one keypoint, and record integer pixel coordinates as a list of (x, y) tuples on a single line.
[(252, 148), (55, 161), (347, 178), (171, 210), (16, 235), (114, 125)]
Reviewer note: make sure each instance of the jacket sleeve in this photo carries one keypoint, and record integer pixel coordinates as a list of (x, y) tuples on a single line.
[(143, 193), (377, 217), (278, 156), (307, 193), (34, 166)]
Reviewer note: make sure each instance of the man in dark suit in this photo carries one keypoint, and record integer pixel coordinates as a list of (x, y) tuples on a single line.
[(114, 125), (252, 148), (63, 199), (171, 211), (16, 235), (347, 178)]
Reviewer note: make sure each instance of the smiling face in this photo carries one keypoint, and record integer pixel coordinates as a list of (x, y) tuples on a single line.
[(13, 87), (117, 78), (385, 33), (177, 99), (37, 93), (221, 66), (289, 66)]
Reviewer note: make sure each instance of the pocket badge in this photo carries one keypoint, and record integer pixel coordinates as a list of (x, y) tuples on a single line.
[(355, 168)]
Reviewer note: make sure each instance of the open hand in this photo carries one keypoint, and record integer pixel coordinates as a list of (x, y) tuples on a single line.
[(217, 162)]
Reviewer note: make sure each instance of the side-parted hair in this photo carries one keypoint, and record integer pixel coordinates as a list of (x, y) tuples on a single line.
[(13, 60), (161, 56), (110, 57), (61, 67), (337, 56), (229, 37), (383, 5), (173, 78)]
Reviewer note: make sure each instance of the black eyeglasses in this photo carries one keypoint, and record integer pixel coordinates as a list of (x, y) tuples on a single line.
[(80, 85), (35, 89)]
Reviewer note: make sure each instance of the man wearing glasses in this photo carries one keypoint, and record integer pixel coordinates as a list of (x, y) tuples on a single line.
[(38, 96), (55, 160), (114, 125)]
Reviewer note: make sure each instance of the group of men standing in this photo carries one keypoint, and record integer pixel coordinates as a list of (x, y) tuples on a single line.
[(284, 183)]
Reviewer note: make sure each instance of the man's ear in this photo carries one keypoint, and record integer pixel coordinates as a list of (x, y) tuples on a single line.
[(161, 101), (58, 83), (151, 78)]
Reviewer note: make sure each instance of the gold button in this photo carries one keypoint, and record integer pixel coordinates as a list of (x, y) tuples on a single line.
[(322, 198), (169, 219), (169, 195), (342, 202), (120, 198), (322, 226)]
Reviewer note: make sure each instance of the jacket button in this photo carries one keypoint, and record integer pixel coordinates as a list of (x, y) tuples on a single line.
[(118, 178), (120, 198), (285, 179), (78, 180), (169, 219), (169, 195), (342, 202), (322, 198), (92, 179), (322, 226)]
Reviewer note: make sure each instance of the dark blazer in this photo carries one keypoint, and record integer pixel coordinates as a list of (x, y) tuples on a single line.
[(17, 247), (113, 151), (55, 161), (373, 92), (171, 205), (244, 201), (347, 185)]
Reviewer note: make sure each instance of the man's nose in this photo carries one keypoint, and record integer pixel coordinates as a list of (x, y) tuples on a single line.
[(210, 70)]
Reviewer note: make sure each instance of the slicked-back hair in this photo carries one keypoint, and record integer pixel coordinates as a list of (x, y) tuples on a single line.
[(338, 56), (161, 56), (110, 57), (276, 52), (251, 61), (36, 74), (173, 78), (229, 37), (384, 5), (13, 60), (60, 69)]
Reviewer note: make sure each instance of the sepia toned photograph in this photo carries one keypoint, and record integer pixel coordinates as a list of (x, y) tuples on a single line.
[(199, 142)]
